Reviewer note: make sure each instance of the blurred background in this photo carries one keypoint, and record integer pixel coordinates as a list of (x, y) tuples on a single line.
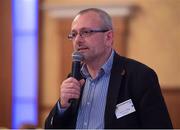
[(35, 55)]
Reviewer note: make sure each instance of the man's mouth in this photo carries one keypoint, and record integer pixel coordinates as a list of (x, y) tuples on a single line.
[(80, 49)]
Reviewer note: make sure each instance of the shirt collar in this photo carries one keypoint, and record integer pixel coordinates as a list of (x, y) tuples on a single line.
[(108, 64), (106, 67)]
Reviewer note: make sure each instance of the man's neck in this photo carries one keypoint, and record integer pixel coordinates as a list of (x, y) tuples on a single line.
[(95, 66)]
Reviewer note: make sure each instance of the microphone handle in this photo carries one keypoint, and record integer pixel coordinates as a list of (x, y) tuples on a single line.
[(76, 66)]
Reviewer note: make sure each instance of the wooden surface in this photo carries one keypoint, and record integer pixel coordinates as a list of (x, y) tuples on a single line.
[(172, 97), (5, 63)]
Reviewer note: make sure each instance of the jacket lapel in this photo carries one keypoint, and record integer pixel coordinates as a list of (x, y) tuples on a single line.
[(117, 73)]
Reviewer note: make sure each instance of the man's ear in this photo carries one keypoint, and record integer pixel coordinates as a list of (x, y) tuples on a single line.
[(109, 37)]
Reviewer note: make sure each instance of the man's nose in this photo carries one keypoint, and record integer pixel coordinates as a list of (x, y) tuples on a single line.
[(78, 38), (78, 41)]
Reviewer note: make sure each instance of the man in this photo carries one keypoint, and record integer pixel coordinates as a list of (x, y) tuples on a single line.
[(114, 92)]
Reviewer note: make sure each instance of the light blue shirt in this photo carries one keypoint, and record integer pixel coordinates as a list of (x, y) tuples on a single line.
[(93, 103), (92, 106)]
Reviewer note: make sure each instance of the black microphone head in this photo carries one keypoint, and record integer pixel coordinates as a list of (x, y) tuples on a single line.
[(77, 56)]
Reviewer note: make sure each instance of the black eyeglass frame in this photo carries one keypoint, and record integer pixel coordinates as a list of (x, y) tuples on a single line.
[(88, 33)]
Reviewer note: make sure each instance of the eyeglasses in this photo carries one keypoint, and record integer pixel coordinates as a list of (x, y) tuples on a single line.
[(85, 33)]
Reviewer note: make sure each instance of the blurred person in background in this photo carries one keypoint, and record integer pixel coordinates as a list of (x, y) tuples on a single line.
[(114, 91)]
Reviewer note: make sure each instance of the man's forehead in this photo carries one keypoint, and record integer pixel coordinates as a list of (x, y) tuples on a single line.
[(87, 19), (88, 15)]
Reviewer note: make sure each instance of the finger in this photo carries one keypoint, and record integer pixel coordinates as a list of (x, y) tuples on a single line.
[(82, 81), (71, 82), (70, 86), (70, 91), (72, 79), (66, 96)]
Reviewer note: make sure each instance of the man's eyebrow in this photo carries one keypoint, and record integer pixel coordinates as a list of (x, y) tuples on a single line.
[(84, 28), (73, 30)]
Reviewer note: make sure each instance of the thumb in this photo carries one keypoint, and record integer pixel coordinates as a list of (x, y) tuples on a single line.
[(82, 81)]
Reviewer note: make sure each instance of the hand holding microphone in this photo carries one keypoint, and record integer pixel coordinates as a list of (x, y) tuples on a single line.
[(71, 87)]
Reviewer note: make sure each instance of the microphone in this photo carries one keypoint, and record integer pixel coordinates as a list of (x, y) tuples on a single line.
[(77, 57)]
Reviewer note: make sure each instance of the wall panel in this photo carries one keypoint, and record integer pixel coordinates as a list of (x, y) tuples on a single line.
[(5, 63)]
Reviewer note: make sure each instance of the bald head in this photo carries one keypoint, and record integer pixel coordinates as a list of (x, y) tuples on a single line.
[(106, 21)]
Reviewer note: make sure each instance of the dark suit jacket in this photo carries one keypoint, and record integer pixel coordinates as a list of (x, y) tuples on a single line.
[(129, 80)]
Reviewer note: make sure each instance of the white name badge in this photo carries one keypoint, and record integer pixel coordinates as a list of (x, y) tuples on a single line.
[(124, 108)]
